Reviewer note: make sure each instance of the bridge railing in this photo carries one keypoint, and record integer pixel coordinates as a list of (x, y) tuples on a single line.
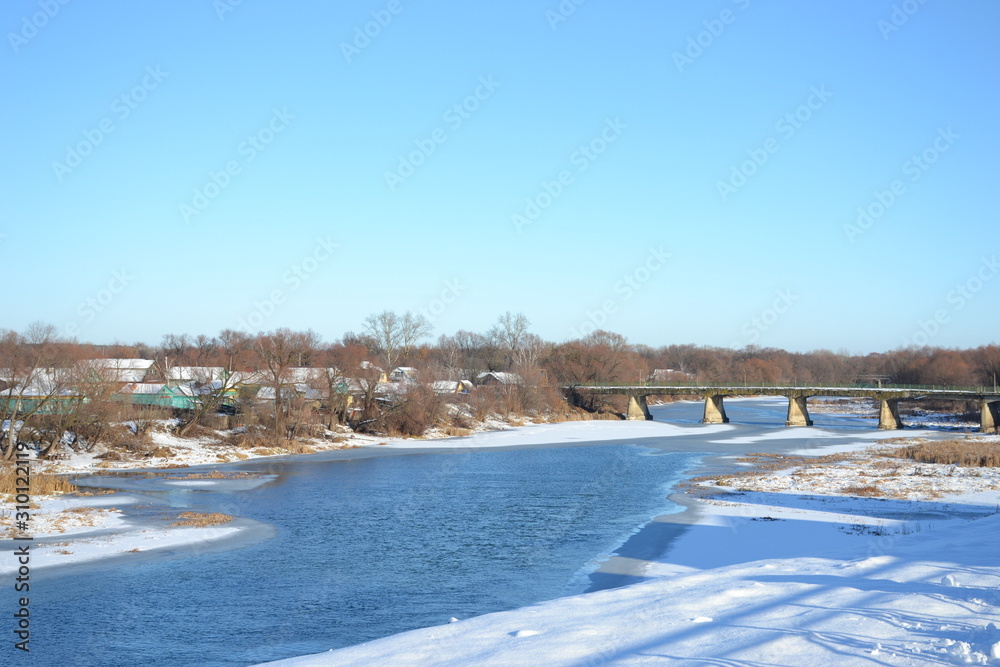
[(795, 385)]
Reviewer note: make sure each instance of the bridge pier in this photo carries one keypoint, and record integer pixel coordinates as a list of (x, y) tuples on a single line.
[(638, 409), (888, 415), (715, 411), (798, 414), (989, 416)]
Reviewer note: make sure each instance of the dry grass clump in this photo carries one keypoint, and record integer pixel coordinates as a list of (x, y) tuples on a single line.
[(96, 492), (39, 483), (247, 440), (266, 451), (229, 458), (964, 453), (217, 474), (262, 444), (868, 491), (199, 431), (725, 479), (295, 447), (574, 414), (763, 461), (200, 520), (457, 431)]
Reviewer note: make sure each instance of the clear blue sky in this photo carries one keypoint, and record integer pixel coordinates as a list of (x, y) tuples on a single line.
[(310, 128)]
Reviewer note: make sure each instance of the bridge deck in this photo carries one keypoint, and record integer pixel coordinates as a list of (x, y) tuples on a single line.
[(881, 393), (798, 412)]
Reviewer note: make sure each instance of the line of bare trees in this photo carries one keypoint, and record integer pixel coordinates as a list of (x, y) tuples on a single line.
[(39, 371)]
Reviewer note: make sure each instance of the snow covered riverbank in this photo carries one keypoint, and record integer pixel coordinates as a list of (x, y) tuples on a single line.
[(911, 605), (77, 530), (782, 568)]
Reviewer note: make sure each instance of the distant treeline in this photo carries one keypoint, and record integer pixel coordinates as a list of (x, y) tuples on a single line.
[(391, 378), (391, 340)]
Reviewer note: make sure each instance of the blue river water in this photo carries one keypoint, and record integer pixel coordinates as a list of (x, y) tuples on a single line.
[(364, 548)]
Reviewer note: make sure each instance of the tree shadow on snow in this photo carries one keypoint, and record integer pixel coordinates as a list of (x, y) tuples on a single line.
[(872, 578)]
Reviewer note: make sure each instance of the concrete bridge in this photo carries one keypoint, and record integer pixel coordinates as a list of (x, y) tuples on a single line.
[(798, 413)]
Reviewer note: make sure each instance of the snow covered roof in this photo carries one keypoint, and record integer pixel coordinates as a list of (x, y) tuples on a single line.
[(402, 373), (311, 373), (665, 373), (195, 373), (498, 377), (298, 389), (41, 382), (37, 391), (119, 364), (119, 370), (185, 390), (451, 386), (142, 388), (247, 377)]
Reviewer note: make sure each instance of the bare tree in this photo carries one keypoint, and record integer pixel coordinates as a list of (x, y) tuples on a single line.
[(986, 361), (95, 414), (175, 349), (35, 381), (277, 352), (474, 354), (206, 349), (211, 393), (527, 356), (509, 336), (509, 331), (393, 337), (237, 346)]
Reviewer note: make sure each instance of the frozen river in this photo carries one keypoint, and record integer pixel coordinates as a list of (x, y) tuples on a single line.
[(371, 545)]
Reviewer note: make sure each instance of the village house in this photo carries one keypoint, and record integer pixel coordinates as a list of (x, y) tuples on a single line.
[(452, 387), (498, 378)]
